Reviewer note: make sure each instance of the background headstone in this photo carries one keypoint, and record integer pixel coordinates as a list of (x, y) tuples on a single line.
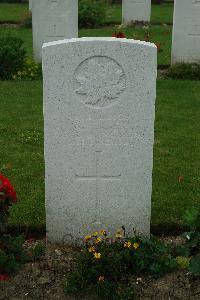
[(136, 10), (30, 5), (99, 106), (53, 20), (186, 31)]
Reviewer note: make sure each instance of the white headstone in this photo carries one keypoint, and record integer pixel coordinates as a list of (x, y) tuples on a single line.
[(186, 31), (53, 20), (99, 103), (136, 10), (30, 5)]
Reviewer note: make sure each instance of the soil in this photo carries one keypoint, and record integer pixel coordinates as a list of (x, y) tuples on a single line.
[(46, 279)]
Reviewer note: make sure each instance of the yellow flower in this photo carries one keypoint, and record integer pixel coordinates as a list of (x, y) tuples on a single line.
[(91, 249), (95, 233), (118, 234), (127, 244), (101, 278), (87, 238), (103, 232), (98, 240), (136, 245), (97, 255)]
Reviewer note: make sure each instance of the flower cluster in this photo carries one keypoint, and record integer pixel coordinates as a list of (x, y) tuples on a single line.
[(7, 198), (30, 71), (98, 240), (118, 34), (7, 192)]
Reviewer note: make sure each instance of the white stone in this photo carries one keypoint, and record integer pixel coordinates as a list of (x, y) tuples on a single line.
[(186, 31), (30, 5), (53, 20), (99, 106), (136, 10)]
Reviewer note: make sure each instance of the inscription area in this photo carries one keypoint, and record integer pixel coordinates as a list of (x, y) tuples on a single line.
[(99, 81), (195, 30), (196, 2), (53, 3), (54, 33), (97, 177)]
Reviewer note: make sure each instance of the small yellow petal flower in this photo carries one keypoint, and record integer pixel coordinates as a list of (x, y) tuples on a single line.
[(136, 245), (118, 234), (97, 255), (98, 240), (95, 233), (91, 249), (103, 232), (127, 244), (101, 278), (87, 238)]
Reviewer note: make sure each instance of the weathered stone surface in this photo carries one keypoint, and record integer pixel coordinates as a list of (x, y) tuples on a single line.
[(136, 10), (53, 20), (186, 31), (99, 98)]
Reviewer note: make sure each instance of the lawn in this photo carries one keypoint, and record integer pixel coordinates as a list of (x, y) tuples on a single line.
[(158, 34), (176, 152), (13, 13), (160, 13)]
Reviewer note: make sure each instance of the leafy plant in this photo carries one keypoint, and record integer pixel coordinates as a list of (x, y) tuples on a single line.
[(191, 247), (30, 71), (184, 71), (105, 263), (12, 56), (92, 13), (13, 253)]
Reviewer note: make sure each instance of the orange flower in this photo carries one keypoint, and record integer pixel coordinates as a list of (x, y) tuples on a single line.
[(101, 278), (97, 255), (136, 245), (127, 244), (98, 240), (91, 249)]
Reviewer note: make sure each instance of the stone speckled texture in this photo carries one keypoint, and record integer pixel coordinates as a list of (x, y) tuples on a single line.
[(53, 20), (136, 10), (186, 31), (99, 107)]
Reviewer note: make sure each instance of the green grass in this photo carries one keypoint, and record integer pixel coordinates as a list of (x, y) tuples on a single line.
[(14, 13), (176, 151), (158, 34), (159, 14)]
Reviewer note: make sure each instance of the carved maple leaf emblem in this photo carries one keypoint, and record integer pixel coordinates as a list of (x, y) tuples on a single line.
[(100, 80)]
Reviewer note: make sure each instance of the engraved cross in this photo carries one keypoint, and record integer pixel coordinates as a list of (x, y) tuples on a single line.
[(97, 177), (54, 33), (196, 31)]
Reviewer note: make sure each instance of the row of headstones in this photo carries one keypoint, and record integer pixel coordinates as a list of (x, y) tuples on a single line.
[(58, 19), (99, 109)]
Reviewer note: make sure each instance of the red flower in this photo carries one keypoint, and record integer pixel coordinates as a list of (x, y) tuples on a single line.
[(158, 45), (6, 190), (119, 34), (4, 277)]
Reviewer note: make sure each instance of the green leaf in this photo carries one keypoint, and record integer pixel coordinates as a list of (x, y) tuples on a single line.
[(194, 266)]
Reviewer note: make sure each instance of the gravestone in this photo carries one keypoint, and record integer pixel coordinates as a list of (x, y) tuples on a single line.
[(30, 5), (186, 31), (53, 20), (99, 106), (136, 10)]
